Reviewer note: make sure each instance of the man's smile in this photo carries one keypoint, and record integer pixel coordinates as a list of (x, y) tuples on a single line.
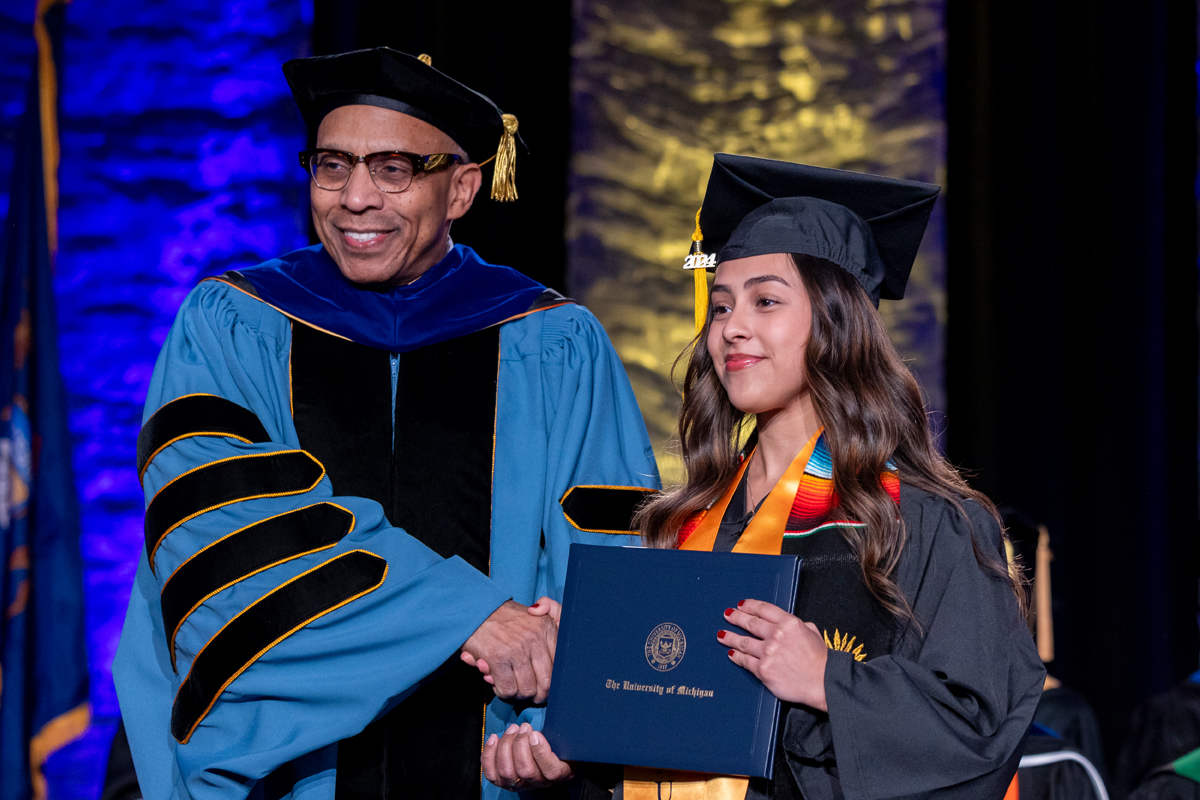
[(361, 240)]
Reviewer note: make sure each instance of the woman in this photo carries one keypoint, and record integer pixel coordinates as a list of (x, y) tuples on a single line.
[(905, 665)]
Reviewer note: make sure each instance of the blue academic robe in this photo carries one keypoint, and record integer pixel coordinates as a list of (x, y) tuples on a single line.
[(565, 416)]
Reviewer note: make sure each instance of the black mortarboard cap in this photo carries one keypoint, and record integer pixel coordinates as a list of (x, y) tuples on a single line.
[(868, 225), (409, 84)]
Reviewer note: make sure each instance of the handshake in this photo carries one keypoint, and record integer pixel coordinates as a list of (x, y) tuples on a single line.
[(514, 649)]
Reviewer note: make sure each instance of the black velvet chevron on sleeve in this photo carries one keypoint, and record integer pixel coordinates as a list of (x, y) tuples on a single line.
[(265, 623), (196, 415), (228, 481), (604, 509), (247, 552)]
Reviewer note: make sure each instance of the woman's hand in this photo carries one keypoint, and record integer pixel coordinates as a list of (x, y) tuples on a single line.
[(786, 654), (521, 760), (541, 608), (546, 605)]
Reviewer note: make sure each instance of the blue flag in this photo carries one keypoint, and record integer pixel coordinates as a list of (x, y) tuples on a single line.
[(43, 663)]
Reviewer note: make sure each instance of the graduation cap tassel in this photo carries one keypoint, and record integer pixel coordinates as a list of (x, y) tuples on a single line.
[(697, 262), (1041, 594), (504, 174)]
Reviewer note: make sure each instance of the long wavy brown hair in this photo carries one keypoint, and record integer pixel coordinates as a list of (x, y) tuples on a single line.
[(872, 411)]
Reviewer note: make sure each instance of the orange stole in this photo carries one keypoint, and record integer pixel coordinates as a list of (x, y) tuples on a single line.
[(764, 535)]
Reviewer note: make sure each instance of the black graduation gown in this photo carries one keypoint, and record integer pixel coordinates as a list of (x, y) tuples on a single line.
[(1067, 713), (1062, 779), (937, 713), (1162, 728), (1166, 786)]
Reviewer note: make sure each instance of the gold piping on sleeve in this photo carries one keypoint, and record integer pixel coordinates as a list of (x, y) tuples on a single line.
[(172, 634), (190, 517), (190, 434), (579, 527), (181, 397), (154, 455), (263, 652)]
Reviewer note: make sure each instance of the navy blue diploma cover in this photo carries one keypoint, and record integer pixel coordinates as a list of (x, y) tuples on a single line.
[(640, 677)]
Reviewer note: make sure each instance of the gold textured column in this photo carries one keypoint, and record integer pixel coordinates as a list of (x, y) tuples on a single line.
[(661, 85)]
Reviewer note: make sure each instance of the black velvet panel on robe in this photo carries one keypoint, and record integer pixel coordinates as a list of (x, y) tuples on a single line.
[(196, 415), (342, 409), (604, 509), (264, 623), (434, 480)]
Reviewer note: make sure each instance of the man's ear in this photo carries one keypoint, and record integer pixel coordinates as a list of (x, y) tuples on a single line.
[(464, 185)]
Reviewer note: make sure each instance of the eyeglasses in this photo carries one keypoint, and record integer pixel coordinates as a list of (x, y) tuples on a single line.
[(392, 171)]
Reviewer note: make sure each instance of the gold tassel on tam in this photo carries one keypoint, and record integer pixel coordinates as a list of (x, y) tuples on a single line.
[(504, 174), (425, 59), (699, 263)]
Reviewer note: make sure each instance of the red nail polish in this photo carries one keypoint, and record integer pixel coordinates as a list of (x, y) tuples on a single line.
[(535, 605), (728, 611), (721, 634), (741, 603), (731, 653)]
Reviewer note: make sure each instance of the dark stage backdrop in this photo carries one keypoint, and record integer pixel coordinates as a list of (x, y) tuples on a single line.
[(1072, 340)]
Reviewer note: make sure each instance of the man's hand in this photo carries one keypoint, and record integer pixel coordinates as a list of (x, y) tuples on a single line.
[(787, 654), (515, 649), (521, 761), (541, 608)]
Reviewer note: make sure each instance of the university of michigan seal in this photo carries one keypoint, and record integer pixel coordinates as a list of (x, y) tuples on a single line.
[(665, 647)]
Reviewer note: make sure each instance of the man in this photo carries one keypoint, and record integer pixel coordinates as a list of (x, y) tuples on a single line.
[(353, 458)]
